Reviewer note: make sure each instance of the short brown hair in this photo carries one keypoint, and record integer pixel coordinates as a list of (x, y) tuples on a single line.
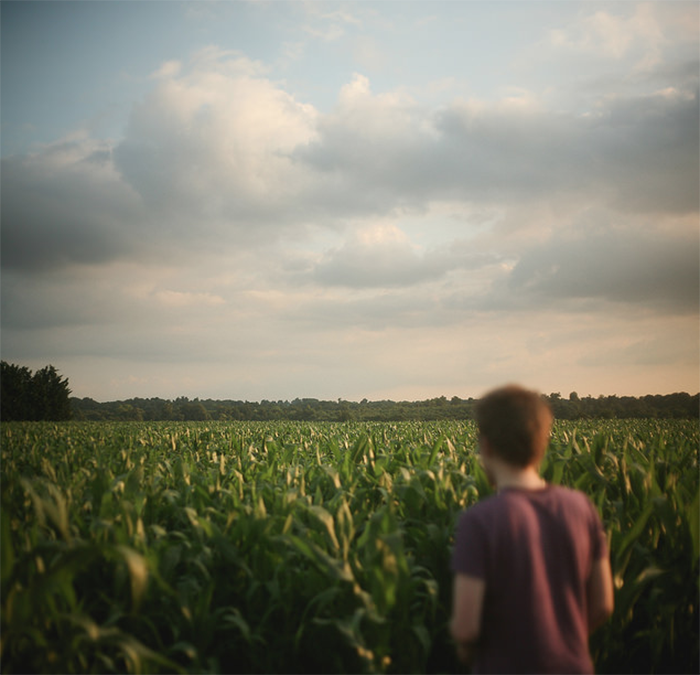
[(516, 422)]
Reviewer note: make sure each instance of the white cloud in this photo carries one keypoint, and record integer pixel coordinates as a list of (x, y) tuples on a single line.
[(210, 146), (641, 32), (606, 34)]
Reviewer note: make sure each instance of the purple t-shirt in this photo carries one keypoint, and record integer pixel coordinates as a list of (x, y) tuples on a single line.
[(534, 549)]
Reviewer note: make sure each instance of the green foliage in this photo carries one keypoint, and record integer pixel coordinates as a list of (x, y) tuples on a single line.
[(210, 547), (43, 395)]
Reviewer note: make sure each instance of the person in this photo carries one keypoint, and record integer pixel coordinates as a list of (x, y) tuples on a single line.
[(531, 568)]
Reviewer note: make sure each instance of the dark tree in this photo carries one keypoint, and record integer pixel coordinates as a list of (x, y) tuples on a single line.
[(42, 396), (193, 411), (15, 392)]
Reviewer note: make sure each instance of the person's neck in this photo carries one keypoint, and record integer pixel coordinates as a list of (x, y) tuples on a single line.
[(509, 477)]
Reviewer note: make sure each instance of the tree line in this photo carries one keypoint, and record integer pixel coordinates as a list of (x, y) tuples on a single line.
[(43, 395), (671, 406)]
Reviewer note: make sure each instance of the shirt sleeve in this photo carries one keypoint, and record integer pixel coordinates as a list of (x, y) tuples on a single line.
[(470, 552)]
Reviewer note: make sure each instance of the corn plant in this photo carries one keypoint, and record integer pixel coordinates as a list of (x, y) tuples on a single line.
[(294, 547)]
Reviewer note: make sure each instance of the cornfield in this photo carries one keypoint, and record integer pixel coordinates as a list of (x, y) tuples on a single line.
[(220, 547)]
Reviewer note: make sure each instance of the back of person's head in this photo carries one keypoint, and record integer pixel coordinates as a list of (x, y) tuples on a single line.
[(516, 423)]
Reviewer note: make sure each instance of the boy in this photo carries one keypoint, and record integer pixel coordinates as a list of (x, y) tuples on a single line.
[(532, 574)]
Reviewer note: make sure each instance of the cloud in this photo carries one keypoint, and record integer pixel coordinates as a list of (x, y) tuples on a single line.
[(389, 152), (376, 256), (382, 255), (648, 350), (641, 265), (213, 143), (218, 155), (328, 26), (646, 150), (640, 31), (186, 299), (204, 160), (168, 69), (66, 205)]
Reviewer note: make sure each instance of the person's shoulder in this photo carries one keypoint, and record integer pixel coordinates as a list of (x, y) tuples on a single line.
[(566, 492), (563, 492), (571, 496), (484, 508)]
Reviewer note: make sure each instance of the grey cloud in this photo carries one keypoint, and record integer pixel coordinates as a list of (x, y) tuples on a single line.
[(639, 154), (370, 265), (77, 298), (467, 156), (507, 156), (637, 267), (392, 308), (647, 149), (55, 214), (393, 264)]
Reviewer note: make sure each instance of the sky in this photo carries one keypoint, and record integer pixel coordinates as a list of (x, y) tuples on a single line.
[(346, 200)]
